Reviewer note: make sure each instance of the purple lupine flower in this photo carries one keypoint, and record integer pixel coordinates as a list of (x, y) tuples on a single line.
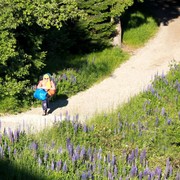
[(9, 150), (162, 75), (170, 170), (15, 152), (68, 142), (52, 165), (82, 153), (99, 154), (58, 165), (53, 144), (84, 176), (167, 168), (120, 178), (34, 146), (64, 167), (149, 177), (158, 172), (152, 89), (70, 149), (89, 175), (136, 152), (73, 79), (60, 150), (74, 158), (113, 162), (5, 132), (89, 151), (169, 121), (163, 112), (1, 152), (45, 157), (165, 81), (75, 127), (78, 149), (120, 125), (131, 157), (94, 167), (64, 77), (140, 176), (77, 117), (60, 116), (146, 171), (77, 154), (16, 135), (115, 171), (108, 158), (157, 121), (133, 171), (67, 114), (178, 88), (39, 161), (85, 128), (110, 175), (152, 173), (142, 156)]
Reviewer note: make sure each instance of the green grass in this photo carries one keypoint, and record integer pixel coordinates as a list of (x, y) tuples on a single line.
[(139, 30), (142, 134), (92, 69)]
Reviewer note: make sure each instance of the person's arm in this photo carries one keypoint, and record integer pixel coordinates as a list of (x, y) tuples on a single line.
[(40, 85), (53, 86)]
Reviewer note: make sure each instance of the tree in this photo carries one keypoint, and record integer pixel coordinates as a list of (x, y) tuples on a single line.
[(22, 23), (103, 17)]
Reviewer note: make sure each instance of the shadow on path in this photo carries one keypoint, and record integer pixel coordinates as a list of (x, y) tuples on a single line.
[(57, 104), (164, 10)]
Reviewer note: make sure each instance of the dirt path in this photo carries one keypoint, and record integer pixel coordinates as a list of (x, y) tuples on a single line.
[(126, 81)]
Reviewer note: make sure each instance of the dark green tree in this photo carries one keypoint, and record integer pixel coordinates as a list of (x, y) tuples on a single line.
[(102, 23)]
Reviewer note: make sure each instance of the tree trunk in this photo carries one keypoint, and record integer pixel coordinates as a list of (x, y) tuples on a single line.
[(117, 39)]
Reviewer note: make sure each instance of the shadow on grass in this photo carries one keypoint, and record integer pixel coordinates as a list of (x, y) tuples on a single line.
[(10, 172)]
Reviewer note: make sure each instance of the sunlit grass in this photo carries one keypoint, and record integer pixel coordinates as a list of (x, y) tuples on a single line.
[(139, 140), (138, 35)]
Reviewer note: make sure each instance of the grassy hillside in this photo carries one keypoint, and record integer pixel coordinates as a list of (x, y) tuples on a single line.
[(141, 140)]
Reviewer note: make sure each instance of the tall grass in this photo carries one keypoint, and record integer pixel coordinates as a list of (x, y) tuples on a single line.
[(85, 71), (138, 141), (139, 29)]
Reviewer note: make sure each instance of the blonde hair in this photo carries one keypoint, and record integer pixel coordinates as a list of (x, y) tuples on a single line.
[(47, 82)]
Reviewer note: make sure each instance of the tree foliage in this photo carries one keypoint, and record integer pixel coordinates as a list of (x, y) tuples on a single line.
[(99, 26), (22, 24), (71, 25)]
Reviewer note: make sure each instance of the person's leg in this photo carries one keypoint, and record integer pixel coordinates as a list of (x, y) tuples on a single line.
[(45, 106)]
